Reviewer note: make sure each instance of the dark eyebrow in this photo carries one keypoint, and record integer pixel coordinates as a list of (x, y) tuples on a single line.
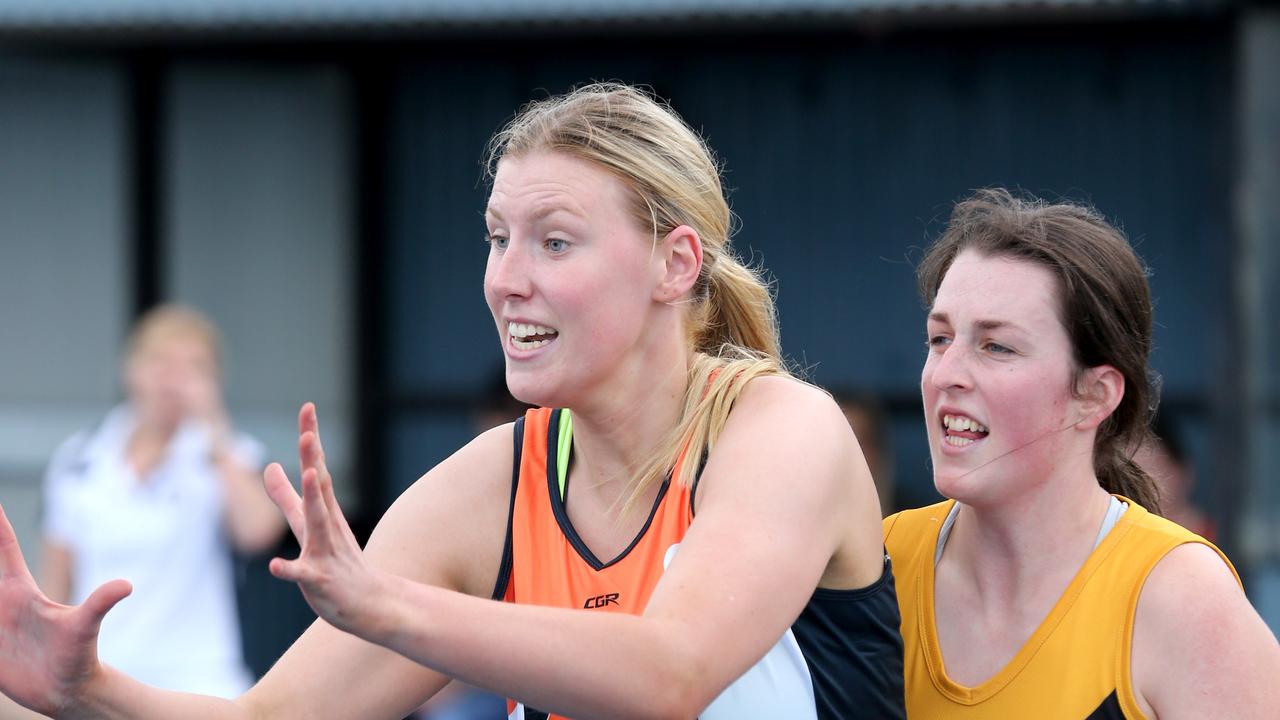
[(980, 324), (996, 325)]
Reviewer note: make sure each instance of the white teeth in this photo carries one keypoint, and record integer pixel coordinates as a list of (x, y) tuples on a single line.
[(962, 423), (957, 441), (518, 331)]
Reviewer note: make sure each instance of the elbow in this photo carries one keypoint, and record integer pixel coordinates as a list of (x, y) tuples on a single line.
[(687, 689), (674, 703)]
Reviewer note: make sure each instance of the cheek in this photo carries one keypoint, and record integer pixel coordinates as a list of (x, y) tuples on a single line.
[(1033, 406)]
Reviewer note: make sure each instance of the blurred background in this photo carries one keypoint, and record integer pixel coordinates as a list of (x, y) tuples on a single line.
[(308, 172)]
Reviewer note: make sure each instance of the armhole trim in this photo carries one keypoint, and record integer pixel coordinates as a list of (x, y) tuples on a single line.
[(697, 477), (504, 570)]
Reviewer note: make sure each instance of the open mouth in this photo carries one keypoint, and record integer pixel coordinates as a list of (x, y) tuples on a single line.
[(961, 430), (525, 336)]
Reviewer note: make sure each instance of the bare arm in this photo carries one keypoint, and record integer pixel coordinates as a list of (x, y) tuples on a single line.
[(1199, 648), (727, 597), (252, 521)]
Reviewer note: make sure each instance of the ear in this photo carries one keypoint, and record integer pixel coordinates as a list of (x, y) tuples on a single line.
[(680, 255), (1100, 389)]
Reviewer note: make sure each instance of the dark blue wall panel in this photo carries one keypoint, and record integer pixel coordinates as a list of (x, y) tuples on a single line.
[(844, 155)]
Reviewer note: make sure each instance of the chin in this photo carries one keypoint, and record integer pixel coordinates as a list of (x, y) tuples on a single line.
[(966, 486), (531, 392)]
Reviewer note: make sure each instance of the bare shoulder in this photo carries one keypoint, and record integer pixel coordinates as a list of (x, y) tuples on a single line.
[(787, 393), (778, 401), (449, 527), (788, 448), (1199, 647), (1189, 586), (778, 421)]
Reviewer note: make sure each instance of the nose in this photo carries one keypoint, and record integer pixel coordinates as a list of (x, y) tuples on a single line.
[(949, 369), (507, 272)]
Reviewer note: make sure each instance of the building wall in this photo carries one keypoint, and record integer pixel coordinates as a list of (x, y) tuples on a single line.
[(843, 157), (65, 283)]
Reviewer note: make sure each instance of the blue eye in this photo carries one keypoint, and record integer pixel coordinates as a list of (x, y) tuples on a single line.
[(498, 242), (998, 348), (557, 245), (938, 341)]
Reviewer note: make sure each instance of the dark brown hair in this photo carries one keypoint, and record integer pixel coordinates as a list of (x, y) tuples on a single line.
[(1104, 305)]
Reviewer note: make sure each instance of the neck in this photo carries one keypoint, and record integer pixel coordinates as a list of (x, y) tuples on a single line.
[(614, 434), (147, 445), (1011, 546)]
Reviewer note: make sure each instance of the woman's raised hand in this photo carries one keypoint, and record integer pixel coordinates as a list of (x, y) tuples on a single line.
[(48, 651), (330, 571)]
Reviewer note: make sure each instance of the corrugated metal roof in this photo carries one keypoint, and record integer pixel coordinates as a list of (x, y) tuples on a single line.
[(212, 14)]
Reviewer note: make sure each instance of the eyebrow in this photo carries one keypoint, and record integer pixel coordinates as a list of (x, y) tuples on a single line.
[(541, 212), (980, 324)]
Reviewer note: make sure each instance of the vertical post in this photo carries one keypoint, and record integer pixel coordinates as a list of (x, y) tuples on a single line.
[(1258, 297), (145, 138)]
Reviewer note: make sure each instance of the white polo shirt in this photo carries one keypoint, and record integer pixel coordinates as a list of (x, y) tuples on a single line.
[(179, 629)]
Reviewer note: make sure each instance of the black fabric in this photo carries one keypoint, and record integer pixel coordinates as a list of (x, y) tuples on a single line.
[(504, 570), (853, 646), (1108, 710)]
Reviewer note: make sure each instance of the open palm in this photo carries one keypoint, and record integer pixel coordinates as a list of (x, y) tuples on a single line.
[(47, 650), (330, 571)]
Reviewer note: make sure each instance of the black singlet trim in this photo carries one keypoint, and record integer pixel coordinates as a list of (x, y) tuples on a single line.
[(504, 570), (697, 477), (850, 594), (1109, 709), (562, 516)]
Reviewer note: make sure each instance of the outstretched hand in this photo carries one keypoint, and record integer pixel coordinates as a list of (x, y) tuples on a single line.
[(330, 571), (48, 651)]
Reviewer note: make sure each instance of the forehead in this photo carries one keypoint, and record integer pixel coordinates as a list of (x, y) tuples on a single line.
[(172, 343), (986, 288), (541, 182)]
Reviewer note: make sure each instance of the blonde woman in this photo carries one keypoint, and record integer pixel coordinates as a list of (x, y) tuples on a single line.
[(682, 530)]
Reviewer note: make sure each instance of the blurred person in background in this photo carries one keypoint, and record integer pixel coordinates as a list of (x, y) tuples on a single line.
[(679, 529), (1164, 458), (1047, 586), (870, 425), (161, 491)]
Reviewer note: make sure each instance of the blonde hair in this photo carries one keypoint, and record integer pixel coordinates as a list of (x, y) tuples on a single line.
[(171, 320), (674, 179)]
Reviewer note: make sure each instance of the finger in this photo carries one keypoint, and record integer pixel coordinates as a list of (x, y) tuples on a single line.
[(11, 561), (281, 492), (102, 600), (294, 571), (312, 452), (336, 516), (317, 514), (307, 418)]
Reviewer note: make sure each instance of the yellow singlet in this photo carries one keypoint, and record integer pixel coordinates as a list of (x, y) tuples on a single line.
[(1075, 666)]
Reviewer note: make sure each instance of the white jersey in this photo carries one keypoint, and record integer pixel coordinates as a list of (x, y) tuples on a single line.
[(179, 629)]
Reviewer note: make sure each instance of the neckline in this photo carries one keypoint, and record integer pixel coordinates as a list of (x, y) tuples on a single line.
[(927, 617), (561, 514)]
